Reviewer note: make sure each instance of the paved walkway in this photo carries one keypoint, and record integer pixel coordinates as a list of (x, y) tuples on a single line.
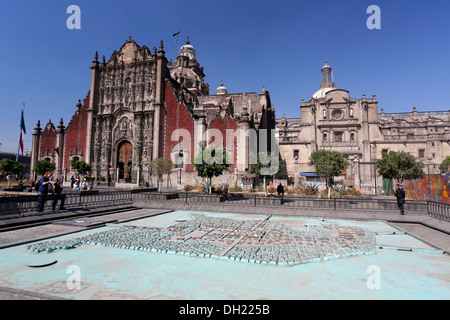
[(433, 231)]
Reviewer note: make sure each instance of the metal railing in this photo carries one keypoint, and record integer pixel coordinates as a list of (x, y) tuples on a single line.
[(92, 199), (28, 203), (438, 210), (356, 204), (433, 209), (254, 200)]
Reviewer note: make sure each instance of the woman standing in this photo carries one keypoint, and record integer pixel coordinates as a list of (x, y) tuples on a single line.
[(43, 190)]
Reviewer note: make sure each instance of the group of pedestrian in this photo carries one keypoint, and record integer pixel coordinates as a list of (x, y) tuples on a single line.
[(76, 185), (400, 194), (43, 189), (56, 188)]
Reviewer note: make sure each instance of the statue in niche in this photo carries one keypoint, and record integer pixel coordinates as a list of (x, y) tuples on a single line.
[(97, 133), (124, 126), (105, 135), (108, 94), (127, 91), (130, 132)]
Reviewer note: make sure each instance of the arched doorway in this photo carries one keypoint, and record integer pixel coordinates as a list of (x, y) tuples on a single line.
[(125, 160)]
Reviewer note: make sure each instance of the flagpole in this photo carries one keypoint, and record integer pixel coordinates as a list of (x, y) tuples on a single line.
[(18, 147)]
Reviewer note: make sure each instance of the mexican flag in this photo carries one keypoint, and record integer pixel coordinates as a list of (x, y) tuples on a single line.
[(23, 130)]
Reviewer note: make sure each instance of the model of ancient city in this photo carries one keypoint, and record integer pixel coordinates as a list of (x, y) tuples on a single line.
[(261, 241)]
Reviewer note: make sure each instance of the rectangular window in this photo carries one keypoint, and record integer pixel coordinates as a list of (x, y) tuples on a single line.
[(421, 153), (295, 154), (338, 136), (384, 151)]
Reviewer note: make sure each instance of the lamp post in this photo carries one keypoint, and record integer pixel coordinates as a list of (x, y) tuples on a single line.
[(180, 159)]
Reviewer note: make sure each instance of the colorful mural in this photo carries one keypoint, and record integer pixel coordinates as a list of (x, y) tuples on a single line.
[(433, 187)]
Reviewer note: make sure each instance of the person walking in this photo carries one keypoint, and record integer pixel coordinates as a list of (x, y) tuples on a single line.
[(58, 195), (43, 190), (400, 195)]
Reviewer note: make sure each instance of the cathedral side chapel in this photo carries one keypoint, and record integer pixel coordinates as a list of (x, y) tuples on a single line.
[(141, 107)]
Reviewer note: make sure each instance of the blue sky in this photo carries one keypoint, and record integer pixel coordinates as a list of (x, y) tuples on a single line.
[(248, 44)]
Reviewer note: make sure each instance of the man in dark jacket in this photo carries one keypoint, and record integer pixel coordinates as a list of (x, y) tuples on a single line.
[(57, 195), (280, 190), (400, 195)]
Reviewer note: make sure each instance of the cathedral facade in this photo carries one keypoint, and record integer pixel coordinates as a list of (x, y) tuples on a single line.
[(141, 107), (332, 120)]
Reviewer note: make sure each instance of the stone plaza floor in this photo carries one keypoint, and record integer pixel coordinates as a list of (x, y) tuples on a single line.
[(203, 255)]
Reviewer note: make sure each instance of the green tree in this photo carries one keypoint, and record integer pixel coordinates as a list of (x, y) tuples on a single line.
[(81, 167), (265, 165), (329, 164), (159, 167), (445, 165), (11, 167), (211, 162), (41, 167), (400, 166)]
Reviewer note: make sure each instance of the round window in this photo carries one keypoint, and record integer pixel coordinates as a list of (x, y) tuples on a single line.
[(337, 114)]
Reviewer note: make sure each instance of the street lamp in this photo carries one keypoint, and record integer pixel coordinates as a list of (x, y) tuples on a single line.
[(180, 157)]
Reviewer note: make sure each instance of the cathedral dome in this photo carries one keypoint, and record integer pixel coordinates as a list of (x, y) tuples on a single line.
[(187, 50), (326, 66), (321, 93), (327, 84), (221, 90)]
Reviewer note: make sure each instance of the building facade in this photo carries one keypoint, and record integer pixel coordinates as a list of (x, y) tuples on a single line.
[(332, 120), (141, 107)]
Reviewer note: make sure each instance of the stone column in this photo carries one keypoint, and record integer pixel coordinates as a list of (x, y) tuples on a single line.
[(92, 107), (313, 141), (60, 149), (199, 132), (35, 147), (366, 151), (365, 130), (356, 173), (243, 142), (161, 64), (156, 127)]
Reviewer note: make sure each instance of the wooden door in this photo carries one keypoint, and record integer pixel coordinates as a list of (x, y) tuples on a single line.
[(125, 160)]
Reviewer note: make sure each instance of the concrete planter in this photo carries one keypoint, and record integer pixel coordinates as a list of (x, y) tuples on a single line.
[(161, 196), (207, 199), (143, 190), (269, 201)]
